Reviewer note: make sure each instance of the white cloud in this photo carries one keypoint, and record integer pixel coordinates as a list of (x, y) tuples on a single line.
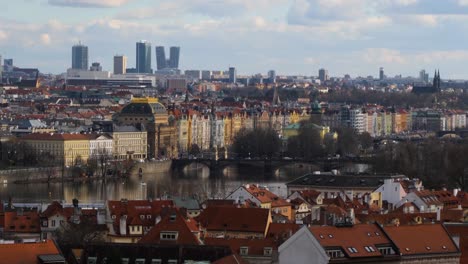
[(383, 56), (45, 39), (89, 3), (3, 35)]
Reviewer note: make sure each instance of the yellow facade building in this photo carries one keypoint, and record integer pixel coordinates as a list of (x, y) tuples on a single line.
[(66, 149), (151, 115)]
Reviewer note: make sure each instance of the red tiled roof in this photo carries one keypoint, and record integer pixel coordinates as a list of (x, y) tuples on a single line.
[(138, 208), (262, 194), (403, 219), (231, 259), (278, 231), (22, 222), (357, 237), (310, 195), (421, 239), (27, 252), (235, 219), (460, 230), (174, 222), (255, 246), (55, 136)]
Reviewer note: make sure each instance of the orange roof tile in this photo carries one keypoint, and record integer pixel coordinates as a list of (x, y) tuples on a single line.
[(357, 237), (421, 239), (255, 246), (231, 259), (234, 219), (174, 222), (27, 252)]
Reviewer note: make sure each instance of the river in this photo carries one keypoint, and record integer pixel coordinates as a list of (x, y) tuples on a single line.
[(192, 182)]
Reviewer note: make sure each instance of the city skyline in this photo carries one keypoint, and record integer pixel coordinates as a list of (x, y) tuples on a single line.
[(353, 37)]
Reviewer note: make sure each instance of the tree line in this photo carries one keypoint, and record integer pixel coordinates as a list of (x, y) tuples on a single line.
[(438, 162)]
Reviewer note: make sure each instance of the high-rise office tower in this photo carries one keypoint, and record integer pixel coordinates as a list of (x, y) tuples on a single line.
[(323, 75), (120, 64), (381, 74), (272, 76), (423, 76), (232, 75), (1, 69), (80, 57), (8, 65), (143, 57), (160, 58), (174, 57)]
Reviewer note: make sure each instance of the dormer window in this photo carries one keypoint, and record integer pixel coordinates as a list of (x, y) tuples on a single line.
[(168, 235), (267, 251), (142, 217), (244, 251), (148, 216)]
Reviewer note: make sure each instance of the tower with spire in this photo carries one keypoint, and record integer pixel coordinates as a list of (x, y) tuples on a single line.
[(435, 88)]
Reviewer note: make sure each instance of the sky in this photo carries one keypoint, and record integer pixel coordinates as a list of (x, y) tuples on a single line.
[(353, 37)]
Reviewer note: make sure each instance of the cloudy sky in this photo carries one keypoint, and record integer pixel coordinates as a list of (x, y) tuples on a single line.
[(290, 36)]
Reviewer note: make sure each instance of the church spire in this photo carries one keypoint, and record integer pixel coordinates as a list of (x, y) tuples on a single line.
[(438, 80)]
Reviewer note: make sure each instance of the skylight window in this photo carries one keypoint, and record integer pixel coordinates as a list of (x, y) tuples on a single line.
[(369, 249), (330, 235), (352, 250)]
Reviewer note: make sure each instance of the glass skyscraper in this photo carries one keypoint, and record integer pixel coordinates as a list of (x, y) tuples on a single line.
[(232, 75), (174, 57), (160, 58), (80, 57), (143, 57), (172, 62)]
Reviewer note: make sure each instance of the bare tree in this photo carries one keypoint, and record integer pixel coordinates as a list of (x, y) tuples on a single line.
[(100, 161)]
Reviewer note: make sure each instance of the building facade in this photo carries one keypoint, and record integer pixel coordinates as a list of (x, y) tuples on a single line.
[(143, 57), (80, 57), (120, 64)]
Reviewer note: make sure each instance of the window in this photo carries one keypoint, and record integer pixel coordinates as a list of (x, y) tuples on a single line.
[(125, 260), (267, 251), (168, 235), (386, 251), (53, 223), (148, 216), (113, 216), (369, 249), (92, 260), (140, 261), (352, 250), (142, 217), (330, 235), (172, 261), (335, 253), (244, 251)]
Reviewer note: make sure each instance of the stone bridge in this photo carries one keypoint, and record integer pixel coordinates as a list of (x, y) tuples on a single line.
[(269, 166)]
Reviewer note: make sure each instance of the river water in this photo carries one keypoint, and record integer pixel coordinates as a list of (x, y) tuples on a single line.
[(191, 182)]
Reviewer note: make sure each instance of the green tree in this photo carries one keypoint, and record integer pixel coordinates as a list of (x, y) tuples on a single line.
[(307, 144), (259, 142)]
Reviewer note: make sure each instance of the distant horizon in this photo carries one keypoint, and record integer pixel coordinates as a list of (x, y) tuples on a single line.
[(292, 37)]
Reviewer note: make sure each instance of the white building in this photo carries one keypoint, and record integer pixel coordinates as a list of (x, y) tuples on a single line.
[(358, 120), (101, 145)]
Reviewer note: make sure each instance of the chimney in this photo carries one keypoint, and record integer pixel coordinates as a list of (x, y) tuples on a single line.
[(351, 214), (123, 225)]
